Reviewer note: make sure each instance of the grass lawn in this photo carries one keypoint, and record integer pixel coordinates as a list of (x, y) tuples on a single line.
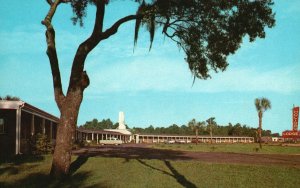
[(120, 172), (234, 148)]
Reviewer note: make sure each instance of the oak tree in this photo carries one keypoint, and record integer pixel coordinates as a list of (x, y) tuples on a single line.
[(208, 31)]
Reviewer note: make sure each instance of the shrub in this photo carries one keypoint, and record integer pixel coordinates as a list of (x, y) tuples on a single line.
[(78, 144), (40, 144)]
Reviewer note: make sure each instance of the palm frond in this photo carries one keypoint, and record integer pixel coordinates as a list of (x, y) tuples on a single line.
[(257, 104), (266, 104)]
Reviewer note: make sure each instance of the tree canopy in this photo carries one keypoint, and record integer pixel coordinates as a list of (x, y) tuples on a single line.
[(208, 31)]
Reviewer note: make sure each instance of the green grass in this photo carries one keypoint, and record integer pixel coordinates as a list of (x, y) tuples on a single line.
[(119, 172), (234, 148)]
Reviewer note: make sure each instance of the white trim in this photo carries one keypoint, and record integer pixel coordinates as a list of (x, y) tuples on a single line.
[(41, 116), (11, 104), (32, 130)]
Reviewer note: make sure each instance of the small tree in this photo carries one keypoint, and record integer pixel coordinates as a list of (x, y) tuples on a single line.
[(40, 144), (196, 126), (211, 125), (262, 105)]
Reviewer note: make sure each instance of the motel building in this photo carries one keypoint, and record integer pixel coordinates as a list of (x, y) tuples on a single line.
[(19, 121), (152, 138), (112, 136), (120, 135), (102, 136)]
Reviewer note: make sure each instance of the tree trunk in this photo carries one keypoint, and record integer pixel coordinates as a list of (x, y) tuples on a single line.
[(66, 134), (196, 136), (210, 132), (259, 128)]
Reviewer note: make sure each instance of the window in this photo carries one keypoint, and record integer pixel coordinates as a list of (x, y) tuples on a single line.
[(2, 126)]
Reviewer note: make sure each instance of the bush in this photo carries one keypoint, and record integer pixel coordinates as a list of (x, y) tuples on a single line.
[(78, 144), (40, 144)]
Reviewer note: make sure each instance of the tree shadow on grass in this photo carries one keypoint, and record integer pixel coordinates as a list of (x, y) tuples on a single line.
[(132, 153), (175, 174), (39, 180), (6, 166), (75, 165), (20, 159), (9, 170), (179, 177)]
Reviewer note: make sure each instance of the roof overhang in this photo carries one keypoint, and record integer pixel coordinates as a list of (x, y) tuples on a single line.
[(11, 105), (14, 105)]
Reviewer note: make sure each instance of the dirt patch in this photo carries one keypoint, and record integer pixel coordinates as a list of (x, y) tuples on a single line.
[(142, 151)]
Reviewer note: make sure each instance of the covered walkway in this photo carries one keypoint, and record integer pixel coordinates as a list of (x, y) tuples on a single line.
[(152, 138)]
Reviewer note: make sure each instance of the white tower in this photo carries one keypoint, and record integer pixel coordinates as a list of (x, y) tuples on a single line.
[(121, 121)]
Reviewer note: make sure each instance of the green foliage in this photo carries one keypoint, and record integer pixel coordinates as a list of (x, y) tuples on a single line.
[(207, 31), (262, 104), (218, 130), (79, 10), (78, 144), (100, 125), (203, 128), (40, 144)]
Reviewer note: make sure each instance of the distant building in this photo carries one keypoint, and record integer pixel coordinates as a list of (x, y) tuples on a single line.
[(123, 134), (19, 121), (105, 136)]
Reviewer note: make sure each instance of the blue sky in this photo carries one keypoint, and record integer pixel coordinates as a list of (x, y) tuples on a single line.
[(152, 88)]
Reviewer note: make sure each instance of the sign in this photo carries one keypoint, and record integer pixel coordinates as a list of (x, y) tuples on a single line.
[(291, 134), (295, 118)]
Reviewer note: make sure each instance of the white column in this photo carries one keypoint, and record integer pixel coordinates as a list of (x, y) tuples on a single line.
[(92, 136), (43, 126), (18, 130), (51, 130), (97, 138), (32, 125)]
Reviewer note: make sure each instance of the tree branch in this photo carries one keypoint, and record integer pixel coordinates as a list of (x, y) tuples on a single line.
[(49, 2), (114, 28), (52, 55), (76, 78)]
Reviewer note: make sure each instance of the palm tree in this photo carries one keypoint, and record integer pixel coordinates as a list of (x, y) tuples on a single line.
[(261, 105), (211, 124), (195, 126)]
